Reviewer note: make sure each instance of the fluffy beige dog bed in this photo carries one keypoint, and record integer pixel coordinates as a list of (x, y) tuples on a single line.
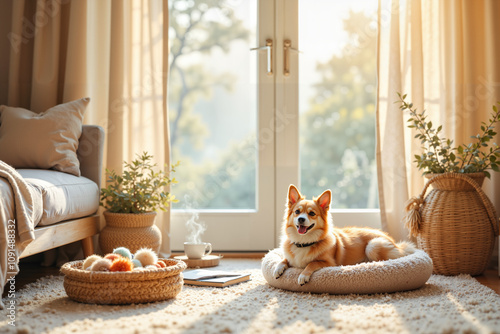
[(406, 273)]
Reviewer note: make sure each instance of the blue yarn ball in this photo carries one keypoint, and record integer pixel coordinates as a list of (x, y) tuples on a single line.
[(137, 263), (123, 252)]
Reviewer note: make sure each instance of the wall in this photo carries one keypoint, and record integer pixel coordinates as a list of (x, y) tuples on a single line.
[(5, 24)]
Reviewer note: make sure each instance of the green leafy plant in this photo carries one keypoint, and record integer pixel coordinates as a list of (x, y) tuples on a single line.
[(438, 154), (139, 189)]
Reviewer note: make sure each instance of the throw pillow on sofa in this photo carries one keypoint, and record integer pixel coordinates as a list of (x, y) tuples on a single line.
[(48, 140)]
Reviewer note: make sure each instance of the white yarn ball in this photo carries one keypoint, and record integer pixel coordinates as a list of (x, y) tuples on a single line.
[(89, 261), (146, 256), (101, 265)]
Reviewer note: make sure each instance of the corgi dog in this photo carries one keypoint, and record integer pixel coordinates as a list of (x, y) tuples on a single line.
[(311, 242)]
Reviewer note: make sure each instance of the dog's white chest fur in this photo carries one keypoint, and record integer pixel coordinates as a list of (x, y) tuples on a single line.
[(301, 257)]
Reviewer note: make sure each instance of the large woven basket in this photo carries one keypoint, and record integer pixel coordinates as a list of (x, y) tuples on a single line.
[(131, 230), (456, 223), (123, 287)]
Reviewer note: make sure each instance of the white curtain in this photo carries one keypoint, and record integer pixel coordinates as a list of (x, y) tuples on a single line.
[(444, 55), (115, 52)]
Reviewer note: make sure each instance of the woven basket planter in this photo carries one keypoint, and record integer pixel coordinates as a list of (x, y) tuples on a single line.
[(130, 230), (96, 287), (456, 223)]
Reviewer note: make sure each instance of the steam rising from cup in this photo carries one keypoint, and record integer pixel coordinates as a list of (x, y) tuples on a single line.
[(195, 227)]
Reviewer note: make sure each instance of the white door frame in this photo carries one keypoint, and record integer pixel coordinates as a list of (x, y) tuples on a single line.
[(287, 111), (287, 107)]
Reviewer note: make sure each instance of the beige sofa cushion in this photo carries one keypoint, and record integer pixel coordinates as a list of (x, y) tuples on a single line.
[(48, 140), (64, 196)]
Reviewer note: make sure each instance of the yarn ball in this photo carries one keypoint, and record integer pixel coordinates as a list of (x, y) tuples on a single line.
[(112, 256), (89, 260), (146, 256), (136, 263), (123, 251), (161, 264), (151, 266), (121, 264), (101, 265)]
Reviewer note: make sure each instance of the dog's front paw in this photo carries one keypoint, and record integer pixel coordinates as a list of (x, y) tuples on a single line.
[(303, 279), (280, 269)]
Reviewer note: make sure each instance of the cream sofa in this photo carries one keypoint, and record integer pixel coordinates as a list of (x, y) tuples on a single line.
[(70, 203), (50, 173)]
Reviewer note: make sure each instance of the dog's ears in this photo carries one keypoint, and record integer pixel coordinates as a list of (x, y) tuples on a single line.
[(293, 195), (324, 199)]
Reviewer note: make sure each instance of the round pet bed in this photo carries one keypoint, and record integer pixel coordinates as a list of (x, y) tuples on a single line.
[(406, 273)]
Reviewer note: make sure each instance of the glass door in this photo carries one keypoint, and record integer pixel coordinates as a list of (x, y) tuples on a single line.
[(221, 108), (329, 80), (264, 94), (337, 95)]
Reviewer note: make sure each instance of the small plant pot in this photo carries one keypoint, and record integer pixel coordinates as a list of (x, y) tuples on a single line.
[(131, 230)]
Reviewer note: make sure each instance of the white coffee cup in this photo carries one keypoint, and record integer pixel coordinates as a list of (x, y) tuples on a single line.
[(197, 250)]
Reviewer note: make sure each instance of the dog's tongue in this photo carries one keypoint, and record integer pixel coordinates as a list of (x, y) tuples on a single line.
[(302, 229)]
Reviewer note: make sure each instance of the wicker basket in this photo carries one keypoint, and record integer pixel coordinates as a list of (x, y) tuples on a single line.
[(456, 223), (131, 230), (123, 287)]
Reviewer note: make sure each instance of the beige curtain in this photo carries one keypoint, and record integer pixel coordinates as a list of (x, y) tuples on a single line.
[(115, 52), (445, 56)]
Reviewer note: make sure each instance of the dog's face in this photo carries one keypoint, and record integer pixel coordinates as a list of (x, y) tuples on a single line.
[(307, 220)]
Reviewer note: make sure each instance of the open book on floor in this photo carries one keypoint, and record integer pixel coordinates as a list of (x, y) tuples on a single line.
[(216, 278)]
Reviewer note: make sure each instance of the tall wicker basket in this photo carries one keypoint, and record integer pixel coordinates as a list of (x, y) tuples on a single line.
[(456, 223)]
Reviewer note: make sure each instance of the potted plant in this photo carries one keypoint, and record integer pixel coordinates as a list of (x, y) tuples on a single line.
[(438, 156), (455, 223), (131, 201)]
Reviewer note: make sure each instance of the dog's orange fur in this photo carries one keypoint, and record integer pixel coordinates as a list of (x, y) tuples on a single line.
[(330, 246)]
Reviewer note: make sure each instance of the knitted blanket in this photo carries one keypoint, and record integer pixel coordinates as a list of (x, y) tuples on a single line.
[(20, 209)]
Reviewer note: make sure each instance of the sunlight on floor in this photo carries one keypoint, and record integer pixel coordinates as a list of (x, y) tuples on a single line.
[(366, 317), (467, 315)]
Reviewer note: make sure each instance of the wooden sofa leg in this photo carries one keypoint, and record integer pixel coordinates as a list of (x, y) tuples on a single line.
[(88, 246)]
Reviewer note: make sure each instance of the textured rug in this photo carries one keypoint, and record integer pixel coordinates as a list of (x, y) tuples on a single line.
[(444, 305)]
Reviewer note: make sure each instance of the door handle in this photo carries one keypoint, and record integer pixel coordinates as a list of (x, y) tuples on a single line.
[(269, 48), (287, 47)]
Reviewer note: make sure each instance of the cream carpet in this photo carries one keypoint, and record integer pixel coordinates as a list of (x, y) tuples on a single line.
[(444, 305)]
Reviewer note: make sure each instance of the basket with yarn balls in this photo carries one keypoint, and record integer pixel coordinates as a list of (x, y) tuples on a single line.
[(121, 277)]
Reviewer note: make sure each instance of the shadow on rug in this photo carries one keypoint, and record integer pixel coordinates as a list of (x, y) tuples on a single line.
[(444, 305)]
